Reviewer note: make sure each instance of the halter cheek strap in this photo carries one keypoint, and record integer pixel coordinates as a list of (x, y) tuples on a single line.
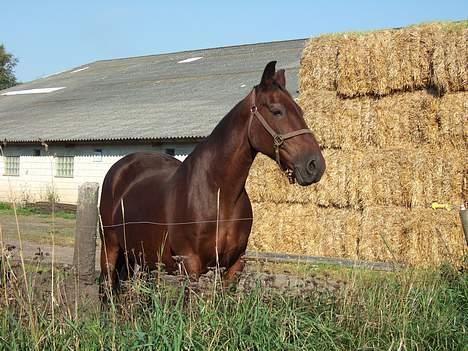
[(278, 139)]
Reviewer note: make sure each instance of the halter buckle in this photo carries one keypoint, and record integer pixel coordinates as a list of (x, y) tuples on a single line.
[(290, 175), (278, 140)]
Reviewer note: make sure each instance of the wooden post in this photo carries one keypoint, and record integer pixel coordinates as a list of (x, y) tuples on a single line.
[(84, 256), (464, 220)]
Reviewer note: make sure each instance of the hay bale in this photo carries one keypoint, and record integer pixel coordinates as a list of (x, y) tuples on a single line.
[(412, 178), (318, 63), (422, 237), (441, 173), (276, 228), (410, 59), (450, 59), (452, 115), (385, 178), (389, 108), (354, 65), (358, 179), (336, 123), (404, 120), (398, 120), (379, 63), (338, 187), (305, 229)]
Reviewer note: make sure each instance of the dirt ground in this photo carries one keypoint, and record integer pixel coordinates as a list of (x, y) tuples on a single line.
[(38, 228), (38, 254), (36, 238)]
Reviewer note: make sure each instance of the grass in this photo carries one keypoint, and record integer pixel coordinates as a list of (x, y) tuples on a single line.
[(62, 238), (407, 310), (6, 208), (37, 226)]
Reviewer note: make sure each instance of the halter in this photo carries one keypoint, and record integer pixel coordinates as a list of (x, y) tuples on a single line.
[(278, 139)]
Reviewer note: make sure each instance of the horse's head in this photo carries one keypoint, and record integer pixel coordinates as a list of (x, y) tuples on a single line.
[(278, 130)]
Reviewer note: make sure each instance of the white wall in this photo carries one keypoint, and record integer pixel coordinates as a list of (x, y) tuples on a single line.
[(37, 180)]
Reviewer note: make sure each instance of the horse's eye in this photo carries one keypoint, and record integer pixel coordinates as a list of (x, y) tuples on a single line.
[(277, 111)]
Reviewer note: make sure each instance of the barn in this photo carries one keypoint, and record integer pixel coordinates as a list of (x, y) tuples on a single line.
[(68, 128)]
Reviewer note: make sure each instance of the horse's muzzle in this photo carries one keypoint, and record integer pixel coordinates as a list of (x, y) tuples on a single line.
[(309, 170)]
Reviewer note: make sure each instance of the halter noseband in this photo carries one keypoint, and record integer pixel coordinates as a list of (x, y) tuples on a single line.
[(278, 139)]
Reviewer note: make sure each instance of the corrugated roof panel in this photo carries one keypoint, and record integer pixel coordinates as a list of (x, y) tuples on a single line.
[(149, 97)]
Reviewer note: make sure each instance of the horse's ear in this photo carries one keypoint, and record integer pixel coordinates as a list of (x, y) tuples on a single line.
[(280, 78), (268, 74)]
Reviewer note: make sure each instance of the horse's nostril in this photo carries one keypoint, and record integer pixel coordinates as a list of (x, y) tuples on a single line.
[(311, 165)]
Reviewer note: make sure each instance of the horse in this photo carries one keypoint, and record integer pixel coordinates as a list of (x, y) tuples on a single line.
[(157, 210)]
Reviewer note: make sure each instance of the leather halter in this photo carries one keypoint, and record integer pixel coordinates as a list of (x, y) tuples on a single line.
[(278, 139)]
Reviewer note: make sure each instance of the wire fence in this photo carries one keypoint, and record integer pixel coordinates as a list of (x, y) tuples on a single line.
[(39, 231), (62, 232)]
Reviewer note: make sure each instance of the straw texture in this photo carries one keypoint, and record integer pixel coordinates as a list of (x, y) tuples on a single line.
[(390, 110), (379, 63)]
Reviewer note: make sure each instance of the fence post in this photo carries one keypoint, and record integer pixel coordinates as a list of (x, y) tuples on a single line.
[(84, 255), (464, 220)]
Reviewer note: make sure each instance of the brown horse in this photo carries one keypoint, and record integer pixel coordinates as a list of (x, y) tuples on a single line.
[(154, 207)]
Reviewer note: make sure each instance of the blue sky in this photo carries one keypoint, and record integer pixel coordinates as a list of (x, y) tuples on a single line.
[(52, 36)]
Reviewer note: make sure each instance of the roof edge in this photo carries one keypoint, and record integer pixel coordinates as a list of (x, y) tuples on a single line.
[(201, 49), (104, 140)]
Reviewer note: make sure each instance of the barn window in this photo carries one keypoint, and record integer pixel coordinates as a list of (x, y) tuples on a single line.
[(64, 166), (97, 155), (11, 166)]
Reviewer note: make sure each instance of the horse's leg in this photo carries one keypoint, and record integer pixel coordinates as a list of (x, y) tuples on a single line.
[(230, 275), (110, 252), (191, 265)]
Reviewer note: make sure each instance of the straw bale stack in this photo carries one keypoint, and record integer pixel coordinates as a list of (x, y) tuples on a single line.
[(452, 115), (420, 237), (338, 188), (379, 63), (305, 229), (336, 123), (357, 179), (450, 59), (398, 120), (412, 178), (390, 109), (319, 62)]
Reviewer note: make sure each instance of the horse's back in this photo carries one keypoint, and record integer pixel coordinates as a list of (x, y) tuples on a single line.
[(129, 170)]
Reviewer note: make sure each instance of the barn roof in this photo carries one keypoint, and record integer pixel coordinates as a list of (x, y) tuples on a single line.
[(168, 96)]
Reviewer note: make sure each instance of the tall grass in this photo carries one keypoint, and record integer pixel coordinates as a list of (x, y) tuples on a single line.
[(409, 310), (7, 209)]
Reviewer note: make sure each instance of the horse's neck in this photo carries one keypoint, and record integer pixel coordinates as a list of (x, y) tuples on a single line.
[(223, 160)]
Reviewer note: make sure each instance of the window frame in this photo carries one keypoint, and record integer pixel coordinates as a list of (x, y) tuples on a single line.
[(60, 166), (7, 168)]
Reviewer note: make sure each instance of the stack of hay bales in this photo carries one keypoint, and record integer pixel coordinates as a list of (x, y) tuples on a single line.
[(390, 109)]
